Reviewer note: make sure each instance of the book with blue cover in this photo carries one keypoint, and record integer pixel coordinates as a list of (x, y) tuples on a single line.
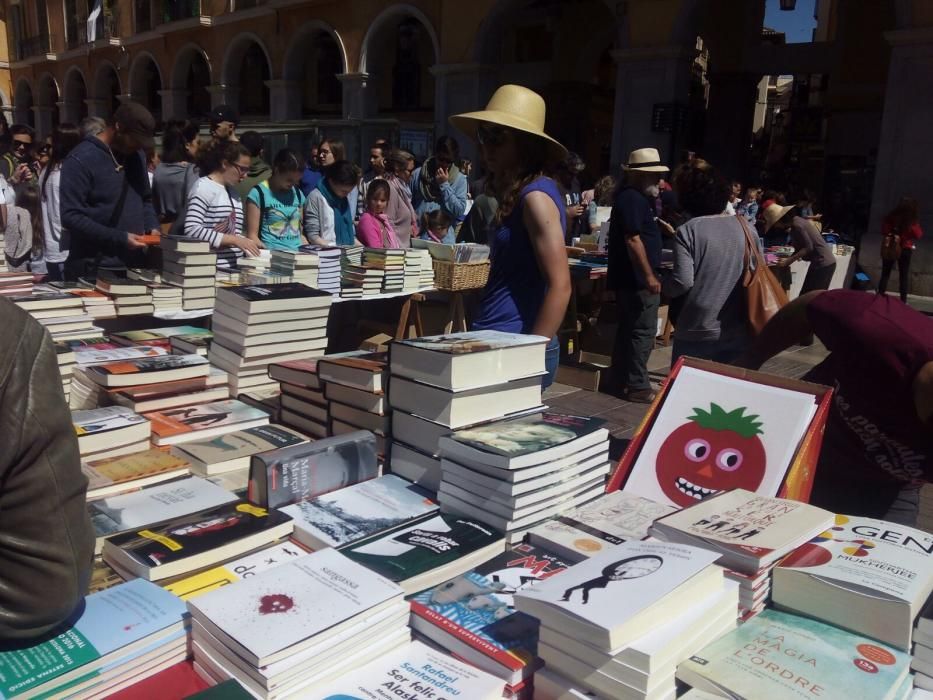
[(120, 619), (778, 655)]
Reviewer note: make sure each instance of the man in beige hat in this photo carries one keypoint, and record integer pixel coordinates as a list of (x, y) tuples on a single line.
[(634, 258)]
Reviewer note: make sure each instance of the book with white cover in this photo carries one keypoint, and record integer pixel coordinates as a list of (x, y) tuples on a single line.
[(276, 613), (609, 520), (461, 361), (748, 530), (415, 671), (620, 594), (715, 433), (882, 569), (361, 510)]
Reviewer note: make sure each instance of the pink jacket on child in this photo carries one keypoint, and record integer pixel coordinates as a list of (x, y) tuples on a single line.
[(375, 231)]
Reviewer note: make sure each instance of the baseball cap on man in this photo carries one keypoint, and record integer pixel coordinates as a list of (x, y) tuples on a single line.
[(224, 113), (138, 122)]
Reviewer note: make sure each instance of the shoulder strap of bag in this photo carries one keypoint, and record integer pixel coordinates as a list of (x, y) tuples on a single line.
[(118, 208), (751, 253)]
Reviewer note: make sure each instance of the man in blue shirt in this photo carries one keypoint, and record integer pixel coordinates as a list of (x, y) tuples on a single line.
[(439, 184), (634, 259)]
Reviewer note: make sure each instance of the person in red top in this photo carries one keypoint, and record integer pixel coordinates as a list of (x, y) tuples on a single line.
[(878, 445), (903, 222)]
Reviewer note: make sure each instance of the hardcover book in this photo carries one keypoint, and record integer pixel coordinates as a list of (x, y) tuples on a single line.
[(195, 541), (750, 531), (276, 613), (115, 474), (352, 513), (359, 369), (191, 423), (473, 615), (884, 570), (298, 372), (777, 655), (308, 470), (116, 620), (233, 450)]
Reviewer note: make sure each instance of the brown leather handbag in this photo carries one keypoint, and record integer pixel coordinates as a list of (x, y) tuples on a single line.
[(764, 295)]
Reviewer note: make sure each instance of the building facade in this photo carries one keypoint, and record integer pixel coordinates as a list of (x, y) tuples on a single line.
[(617, 75)]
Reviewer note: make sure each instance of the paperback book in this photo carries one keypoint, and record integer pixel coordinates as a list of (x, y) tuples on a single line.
[(190, 423), (117, 474), (148, 370), (232, 451), (100, 429)]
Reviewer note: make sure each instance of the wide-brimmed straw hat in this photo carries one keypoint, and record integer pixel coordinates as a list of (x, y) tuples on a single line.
[(647, 160), (516, 107), (774, 213)]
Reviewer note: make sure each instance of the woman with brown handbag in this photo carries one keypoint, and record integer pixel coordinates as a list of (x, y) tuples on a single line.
[(900, 231)]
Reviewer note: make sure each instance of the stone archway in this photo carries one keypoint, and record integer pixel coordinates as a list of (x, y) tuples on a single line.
[(189, 93), (313, 61), (106, 92), (47, 117), (246, 71), (23, 104), (75, 96), (145, 83)]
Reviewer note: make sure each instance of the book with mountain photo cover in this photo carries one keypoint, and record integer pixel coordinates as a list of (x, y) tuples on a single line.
[(882, 569), (512, 444), (714, 433), (358, 511), (312, 469), (190, 423), (195, 541), (778, 655), (473, 615), (750, 531)]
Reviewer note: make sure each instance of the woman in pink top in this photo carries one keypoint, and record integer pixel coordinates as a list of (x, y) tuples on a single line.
[(399, 167), (375, 230)]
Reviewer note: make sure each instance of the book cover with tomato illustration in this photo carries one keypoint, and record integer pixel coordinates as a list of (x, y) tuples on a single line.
[(714, 433)]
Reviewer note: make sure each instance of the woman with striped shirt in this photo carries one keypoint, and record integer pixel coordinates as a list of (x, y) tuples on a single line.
[(215, 212)]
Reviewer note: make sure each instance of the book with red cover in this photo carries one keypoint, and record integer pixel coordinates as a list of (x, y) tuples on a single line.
[(178, 681), (298, 372)]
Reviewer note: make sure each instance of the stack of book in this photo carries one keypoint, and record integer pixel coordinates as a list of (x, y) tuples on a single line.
[(156, 337), (115, 475), (357, 281), (131, 297), (144, 275), (42, 305), (166, 297), (354, 385), (518, 473), (392, 263), (193, 344), (611, 519), (65, 356), (231, 452), (96, 303), (192, 266), (413, 268), (472, 616), (78, 326), (204, 420), (110, 431), (444, 383), (255, 277), (145, 398), (290, 474), (301, 386), (91, 392), (618, 623), (846, 567), (922, 662), (292, 629), (778, 655), (750, 533), (119, 637), (299, 266), (328, 277), (13, 284), (257, 326), (362, 510)]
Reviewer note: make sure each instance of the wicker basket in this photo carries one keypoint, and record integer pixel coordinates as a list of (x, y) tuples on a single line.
[(454, 277)]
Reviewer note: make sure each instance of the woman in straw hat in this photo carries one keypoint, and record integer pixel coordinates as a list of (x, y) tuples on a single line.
[(529, 281)]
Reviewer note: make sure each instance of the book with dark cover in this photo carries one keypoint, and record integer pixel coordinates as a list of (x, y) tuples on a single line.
[(476, 610), (304, 471), (196, 540), (228, 690), (273, 292), (427, 545), (529, 435)]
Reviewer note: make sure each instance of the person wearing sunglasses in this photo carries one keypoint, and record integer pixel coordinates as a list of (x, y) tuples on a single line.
[(439, 184), (214, 212), (529, 278), (19, 162)]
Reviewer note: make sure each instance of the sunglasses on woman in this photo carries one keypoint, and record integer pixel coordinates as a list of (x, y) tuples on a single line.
[(491, 135)]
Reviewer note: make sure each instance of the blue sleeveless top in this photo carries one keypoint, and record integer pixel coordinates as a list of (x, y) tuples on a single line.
[(513, 295)]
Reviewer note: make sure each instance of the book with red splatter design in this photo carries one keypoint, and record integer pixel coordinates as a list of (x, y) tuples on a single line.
[(280, 612)]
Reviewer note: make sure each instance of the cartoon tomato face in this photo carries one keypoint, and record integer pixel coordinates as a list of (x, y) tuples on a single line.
[(715, 451)]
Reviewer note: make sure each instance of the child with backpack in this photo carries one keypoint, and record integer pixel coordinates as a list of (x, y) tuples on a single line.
[(274, 208)]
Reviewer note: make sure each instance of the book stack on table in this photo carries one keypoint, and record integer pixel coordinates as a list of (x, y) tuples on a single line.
[(62, 314), (257, 326), (358, 281), (416, 276), (673, 601), (131, 297), (85, 392), (518, 473), (65, 356), (392, 263), (167, 297), (301, 386), (110, 431), (204, 420), (440, 384), (293, 629), (354, 385), (156, 337), (750, 533), (298, 266), (231, 452), (191, 344), (328, 277), (922, 662), (96, 303), (120, 637), (13, 283), (192, 266)]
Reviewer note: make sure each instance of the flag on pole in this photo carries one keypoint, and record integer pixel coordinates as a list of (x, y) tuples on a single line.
[(92, 21)]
